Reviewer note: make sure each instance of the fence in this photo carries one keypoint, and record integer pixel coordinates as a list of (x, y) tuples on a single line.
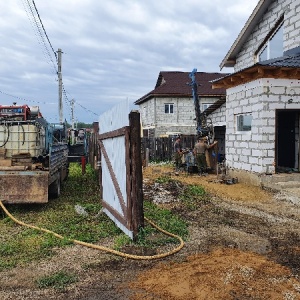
[(94, 151), (162, 149)]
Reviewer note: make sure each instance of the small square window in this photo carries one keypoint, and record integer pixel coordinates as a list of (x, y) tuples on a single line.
[(169, 108), (244, 122)]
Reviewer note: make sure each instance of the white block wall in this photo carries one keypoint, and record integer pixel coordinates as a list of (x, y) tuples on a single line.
[(291, 31), (218, 117), (254, 150), (181, 121)]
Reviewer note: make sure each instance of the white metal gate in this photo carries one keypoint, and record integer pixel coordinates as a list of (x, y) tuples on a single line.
[(121, 168)]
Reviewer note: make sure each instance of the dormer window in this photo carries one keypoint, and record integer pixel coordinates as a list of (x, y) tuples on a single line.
[(272, 46)]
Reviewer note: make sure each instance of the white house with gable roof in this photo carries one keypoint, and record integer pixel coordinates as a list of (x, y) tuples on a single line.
[(263, 95)]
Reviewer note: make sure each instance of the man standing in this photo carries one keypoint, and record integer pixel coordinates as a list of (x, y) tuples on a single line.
[(177, 152), (199, 152)]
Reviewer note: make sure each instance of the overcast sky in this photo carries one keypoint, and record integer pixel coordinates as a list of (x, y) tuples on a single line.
[(113, 50)]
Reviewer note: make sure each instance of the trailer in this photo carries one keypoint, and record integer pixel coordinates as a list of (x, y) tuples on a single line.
[(78, 144), (33, 155)]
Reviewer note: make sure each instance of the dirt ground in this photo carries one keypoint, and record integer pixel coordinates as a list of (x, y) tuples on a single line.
[(243, 244)]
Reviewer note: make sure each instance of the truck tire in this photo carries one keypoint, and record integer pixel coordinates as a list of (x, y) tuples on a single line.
[(54, 188)]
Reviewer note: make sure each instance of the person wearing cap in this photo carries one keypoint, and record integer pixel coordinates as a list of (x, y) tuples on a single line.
[(177, 152), (199, 152)]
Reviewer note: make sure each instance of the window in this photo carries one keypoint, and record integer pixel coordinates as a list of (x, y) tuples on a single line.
[(169, 108), (273, 46), (244, 122)]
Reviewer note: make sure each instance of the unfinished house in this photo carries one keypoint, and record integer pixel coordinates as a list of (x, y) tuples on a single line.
[(169, 110), (263, 96)]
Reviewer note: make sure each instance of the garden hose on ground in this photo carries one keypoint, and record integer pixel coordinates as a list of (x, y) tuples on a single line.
[(132, 256)]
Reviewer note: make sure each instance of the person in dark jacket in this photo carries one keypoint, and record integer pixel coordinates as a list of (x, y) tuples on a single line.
[(177, 153)]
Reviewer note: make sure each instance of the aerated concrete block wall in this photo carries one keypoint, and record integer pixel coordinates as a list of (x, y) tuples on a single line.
[(291, 31), (147, 113), (219, 115), (181, 121), (251, 154)]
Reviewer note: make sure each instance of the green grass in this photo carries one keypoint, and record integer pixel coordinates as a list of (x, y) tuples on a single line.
[(59, 280), (20, 245), (193, 196), (151, 237), (164, 179)]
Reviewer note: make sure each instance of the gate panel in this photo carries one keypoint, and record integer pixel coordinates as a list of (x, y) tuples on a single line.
[(120, 194), (114, 182)]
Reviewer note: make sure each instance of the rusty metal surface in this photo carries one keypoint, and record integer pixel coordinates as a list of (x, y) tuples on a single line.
[(24, 187)]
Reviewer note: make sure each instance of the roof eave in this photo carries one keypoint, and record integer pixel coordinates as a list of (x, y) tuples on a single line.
[(229, 59), (215, 106), (254, 72), (151, 96)]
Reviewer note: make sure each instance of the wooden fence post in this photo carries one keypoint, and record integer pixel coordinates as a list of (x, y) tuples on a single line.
[(136, 173)]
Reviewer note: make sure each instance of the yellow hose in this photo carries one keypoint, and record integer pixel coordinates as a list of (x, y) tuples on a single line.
[(132, 256)]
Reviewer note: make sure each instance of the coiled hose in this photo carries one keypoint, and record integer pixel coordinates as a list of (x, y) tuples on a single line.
[(102, 248)]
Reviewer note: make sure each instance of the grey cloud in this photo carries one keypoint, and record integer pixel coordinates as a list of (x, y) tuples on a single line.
[(113, 50)]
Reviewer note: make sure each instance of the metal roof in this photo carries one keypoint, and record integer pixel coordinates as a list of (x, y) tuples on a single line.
[(177, 84), (287, 66)]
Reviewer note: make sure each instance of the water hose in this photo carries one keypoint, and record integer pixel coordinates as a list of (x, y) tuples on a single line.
[(102, 248)]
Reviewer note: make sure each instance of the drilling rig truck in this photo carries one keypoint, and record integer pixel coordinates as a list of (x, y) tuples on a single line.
[(33, 155)]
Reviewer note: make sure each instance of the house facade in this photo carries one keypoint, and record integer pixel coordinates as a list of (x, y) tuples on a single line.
[(169, 109), (263, 94)]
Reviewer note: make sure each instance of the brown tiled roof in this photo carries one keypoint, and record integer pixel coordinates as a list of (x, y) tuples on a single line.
[(176, 84)]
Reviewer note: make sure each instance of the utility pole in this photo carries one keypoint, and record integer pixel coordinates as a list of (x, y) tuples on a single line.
[(73, 138), (72, 111), (60, 104)]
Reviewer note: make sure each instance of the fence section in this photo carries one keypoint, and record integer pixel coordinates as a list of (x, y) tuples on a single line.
[(162, 149)]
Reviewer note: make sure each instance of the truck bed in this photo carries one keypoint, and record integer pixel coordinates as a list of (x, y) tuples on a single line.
[(24, 186)]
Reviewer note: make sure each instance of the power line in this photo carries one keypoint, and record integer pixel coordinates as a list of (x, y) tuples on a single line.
[(30, 11), (40, 32), (23, 99), (76, 103), (44, 28), (67, 101), (87, 109)]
